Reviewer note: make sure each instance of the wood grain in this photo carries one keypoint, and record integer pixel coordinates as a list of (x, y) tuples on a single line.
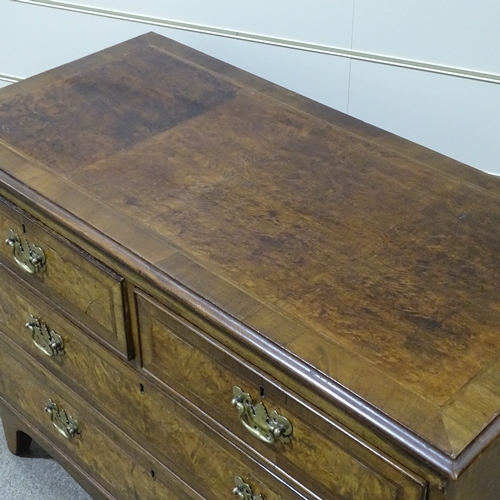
[(115, 390), (357, 268), (71, 276), (206, 373), (332, 230), (96, 452)]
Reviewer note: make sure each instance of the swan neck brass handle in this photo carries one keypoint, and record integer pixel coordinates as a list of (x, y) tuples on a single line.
[(65, 424), (243, 491), (268, 427), (45, 339), (28, 257)]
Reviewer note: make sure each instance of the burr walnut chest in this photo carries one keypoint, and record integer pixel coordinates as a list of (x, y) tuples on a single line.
[(214, 288)]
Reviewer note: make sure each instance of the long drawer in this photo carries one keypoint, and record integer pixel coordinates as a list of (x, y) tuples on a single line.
[(87, 288), (328, 459), (195, 452), (76, 430)]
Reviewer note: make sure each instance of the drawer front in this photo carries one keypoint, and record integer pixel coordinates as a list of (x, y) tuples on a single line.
[(90, 290), (91, 443), (326, 457), (197, 454)]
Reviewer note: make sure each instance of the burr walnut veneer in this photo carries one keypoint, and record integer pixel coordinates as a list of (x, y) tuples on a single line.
[(214, 288)]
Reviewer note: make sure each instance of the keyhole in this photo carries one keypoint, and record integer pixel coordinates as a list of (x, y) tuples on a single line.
[(153, 474), (142, 389), (261, 391), (24, 229)]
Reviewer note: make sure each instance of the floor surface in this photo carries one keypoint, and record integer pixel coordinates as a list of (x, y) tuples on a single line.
[(35, 476)]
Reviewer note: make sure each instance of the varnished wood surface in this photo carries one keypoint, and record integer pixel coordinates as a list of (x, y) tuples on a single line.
[(95, 450), (327, 458), (372, 260), (18, 442), (142, 411), (89, 289), (108, 464), (15, 426)]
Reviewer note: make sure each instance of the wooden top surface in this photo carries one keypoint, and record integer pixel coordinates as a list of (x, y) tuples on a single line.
[(374, 260)]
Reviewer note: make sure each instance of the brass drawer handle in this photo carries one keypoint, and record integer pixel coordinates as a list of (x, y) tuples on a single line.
[(243, 490), (29, 257), (48, 341), (65, 424), (267, 427)]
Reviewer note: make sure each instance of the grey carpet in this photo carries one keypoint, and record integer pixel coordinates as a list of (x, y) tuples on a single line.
[(34, 476)]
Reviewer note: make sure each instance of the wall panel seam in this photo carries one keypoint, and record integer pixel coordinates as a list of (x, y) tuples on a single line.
[(274, 41), (350, 60)]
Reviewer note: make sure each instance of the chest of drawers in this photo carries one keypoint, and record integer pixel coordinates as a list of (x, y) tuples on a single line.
[(212, 287)]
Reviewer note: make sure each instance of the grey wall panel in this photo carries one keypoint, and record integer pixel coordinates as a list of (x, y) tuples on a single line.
[(459, 33), (457, 117), (317, 21), (36, 38)]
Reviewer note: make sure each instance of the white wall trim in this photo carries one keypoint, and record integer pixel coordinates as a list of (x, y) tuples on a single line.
[(293, 44), (9, 78)]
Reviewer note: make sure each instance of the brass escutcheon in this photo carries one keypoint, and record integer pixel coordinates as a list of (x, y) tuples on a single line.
[(29, 257), (65, 424), (48, 341), (243, 490), (267, 427)]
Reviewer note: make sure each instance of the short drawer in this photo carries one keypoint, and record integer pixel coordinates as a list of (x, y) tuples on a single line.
[(326, 457), (157, 421), (88, 441), (84, 286)]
